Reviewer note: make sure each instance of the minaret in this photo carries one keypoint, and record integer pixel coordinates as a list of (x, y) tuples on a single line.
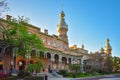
[(62, 28), (82, 46), (108, 48), (102, 50)]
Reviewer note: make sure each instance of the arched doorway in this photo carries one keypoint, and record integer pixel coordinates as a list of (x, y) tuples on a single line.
[(69, 60), (64, 62), (56, 62), (41, 54), (0, 49), (31, 61), (22, 64), (33, 53), (1, 65), (56, 59), (1, 62), (48, 55)]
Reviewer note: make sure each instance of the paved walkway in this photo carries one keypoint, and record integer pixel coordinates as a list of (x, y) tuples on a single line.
[(84, 79), (104, 77), (110, 79)]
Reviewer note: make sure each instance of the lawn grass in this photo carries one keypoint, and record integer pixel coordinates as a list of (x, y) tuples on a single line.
[(83, 75), (115, 73)]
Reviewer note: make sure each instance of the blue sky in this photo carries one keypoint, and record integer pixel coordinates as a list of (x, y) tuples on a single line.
[(90, 22)]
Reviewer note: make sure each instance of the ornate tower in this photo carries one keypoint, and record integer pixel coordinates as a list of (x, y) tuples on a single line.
[(82, 46), (102, 50), (62, 28), (108, 48)]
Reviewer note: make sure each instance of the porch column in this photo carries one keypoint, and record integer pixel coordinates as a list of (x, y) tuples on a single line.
[(67, 65), (82, 69), (72, 60), (60, 62), (52, 61), (45, 55)]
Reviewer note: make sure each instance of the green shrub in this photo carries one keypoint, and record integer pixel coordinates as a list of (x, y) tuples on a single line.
[(11, 78), (23, 74), (62, 72), (34, 78), (35, 67), (75, 67)]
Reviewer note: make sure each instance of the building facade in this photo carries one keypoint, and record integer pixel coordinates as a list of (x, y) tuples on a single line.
[(58, 55)]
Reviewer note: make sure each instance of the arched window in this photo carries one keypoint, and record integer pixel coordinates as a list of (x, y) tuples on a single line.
[(54, 44), (48, 42), (63, 46)]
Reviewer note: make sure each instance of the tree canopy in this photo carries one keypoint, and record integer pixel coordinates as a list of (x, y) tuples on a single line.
[(3, 6), (107, 64), (116, 63), (17, 35)]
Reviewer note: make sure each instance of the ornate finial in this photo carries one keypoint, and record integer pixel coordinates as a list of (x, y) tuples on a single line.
[(107, 40), (62, 13)]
